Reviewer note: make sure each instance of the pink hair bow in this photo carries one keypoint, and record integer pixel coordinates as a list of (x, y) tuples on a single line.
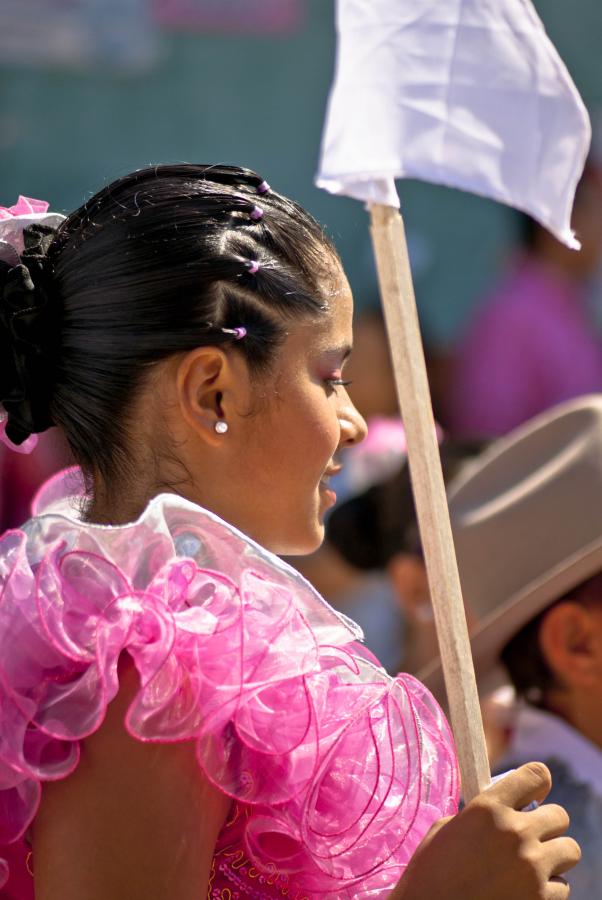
[(16, 218), (23, 207)]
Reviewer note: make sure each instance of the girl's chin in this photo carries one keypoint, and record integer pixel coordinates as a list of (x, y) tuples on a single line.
[(302, 544)]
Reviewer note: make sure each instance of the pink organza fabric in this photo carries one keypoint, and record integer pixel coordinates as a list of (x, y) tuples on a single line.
[(25, 206), (336, 771)]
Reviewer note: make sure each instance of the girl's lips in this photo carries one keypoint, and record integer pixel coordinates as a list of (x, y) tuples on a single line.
[(327, 491), (325, 487), (330, 473)]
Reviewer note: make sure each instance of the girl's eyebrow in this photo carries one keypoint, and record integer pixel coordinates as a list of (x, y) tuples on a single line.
[(334, 355), (343, 352)]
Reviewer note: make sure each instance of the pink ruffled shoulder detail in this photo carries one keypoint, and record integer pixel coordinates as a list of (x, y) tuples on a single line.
[(336, 770)]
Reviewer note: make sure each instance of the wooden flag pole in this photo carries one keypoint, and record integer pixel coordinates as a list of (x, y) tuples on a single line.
[(401, 316)]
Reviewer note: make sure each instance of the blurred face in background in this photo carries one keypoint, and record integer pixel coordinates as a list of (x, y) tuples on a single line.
[(587, 225), (373, 389), (587, 221)]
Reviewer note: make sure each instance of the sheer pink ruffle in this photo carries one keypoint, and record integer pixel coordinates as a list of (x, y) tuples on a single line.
[(15, 219), (23, 207), (338, 770)]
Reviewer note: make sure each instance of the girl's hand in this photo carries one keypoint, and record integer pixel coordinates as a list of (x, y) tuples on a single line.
[(493, 851)]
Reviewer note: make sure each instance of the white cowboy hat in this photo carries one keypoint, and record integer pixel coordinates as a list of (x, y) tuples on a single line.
[(527, 523)]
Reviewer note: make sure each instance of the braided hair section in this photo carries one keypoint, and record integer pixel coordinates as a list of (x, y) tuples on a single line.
[(159, 262)]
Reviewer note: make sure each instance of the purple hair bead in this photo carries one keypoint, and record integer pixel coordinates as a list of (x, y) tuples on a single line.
[(253, 266), (256, 213), (263, 188), (239, 333)]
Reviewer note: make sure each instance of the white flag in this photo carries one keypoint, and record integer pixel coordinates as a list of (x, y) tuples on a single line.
[(466, 93)]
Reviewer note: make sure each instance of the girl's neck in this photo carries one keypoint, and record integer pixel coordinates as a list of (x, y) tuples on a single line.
[(120, 505)]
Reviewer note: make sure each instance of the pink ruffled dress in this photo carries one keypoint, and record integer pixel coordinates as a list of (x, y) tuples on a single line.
[(336, 771)]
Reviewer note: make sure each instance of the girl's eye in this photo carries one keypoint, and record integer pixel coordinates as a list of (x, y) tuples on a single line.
[(337, 382)]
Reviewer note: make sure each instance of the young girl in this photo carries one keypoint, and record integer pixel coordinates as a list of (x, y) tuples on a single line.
[(181, 715)]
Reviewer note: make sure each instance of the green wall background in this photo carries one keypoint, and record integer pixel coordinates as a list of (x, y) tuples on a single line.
[(260, 102)]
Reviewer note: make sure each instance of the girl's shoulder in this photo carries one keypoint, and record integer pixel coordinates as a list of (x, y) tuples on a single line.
[(291, 716)]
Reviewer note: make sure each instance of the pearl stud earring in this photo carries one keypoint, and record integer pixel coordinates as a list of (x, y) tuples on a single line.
[(221, 427)]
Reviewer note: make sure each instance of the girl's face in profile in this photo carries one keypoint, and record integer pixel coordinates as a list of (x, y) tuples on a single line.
[(291, 444)]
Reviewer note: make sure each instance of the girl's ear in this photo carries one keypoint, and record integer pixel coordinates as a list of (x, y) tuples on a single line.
[(204, 385)]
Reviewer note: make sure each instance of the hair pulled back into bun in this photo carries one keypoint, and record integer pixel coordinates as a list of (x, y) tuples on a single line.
[(156, 263), (29, 324)]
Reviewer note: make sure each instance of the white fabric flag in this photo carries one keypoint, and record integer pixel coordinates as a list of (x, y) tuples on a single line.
[(466, 93)]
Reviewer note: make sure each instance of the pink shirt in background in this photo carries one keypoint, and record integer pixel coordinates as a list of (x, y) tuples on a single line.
[(531, 346)]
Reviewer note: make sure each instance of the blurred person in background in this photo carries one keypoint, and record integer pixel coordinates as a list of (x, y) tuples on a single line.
[(371, 566), (369, 370), (532, 343), (527, 523), (363, 592)]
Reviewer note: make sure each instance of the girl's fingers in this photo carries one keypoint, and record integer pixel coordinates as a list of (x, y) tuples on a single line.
[(549, 820), (557, 889), (564, 852), (521, 787)]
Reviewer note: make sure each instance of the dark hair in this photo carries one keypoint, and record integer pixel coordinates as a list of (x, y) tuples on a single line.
[(160, 262), (527, 666)]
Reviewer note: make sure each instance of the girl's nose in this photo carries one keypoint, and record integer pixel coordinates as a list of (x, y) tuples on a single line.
[(353, 425)]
